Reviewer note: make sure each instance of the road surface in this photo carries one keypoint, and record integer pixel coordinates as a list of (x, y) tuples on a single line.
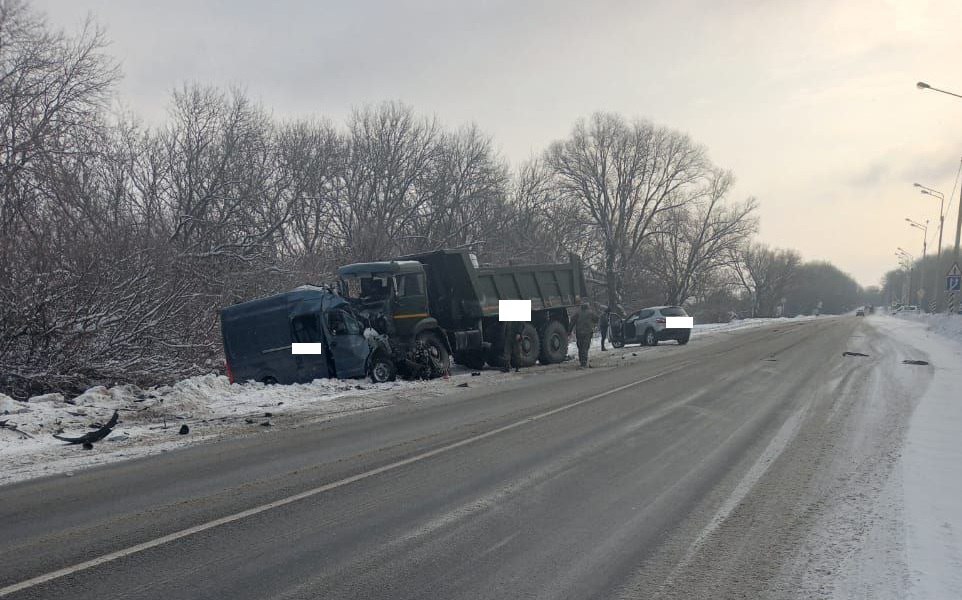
[(706, 470)]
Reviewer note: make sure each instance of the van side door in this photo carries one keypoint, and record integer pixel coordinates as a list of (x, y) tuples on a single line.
[(349, 349), (307, 328)]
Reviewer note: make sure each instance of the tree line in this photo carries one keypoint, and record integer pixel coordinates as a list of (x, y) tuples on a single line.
[(120, 242)]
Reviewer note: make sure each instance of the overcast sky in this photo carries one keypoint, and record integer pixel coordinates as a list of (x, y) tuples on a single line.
[(812, 104)]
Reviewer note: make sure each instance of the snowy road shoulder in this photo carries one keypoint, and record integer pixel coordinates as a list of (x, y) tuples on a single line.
[(211, 408), (932, 459)]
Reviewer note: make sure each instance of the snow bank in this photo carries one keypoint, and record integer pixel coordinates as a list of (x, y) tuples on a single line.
[(702, 329), (949, 326), (151, 419)]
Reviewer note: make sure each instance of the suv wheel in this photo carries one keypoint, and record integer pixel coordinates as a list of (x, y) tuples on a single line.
[(650, 338)]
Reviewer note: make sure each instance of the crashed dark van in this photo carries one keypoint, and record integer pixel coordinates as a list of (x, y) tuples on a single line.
[(259, 336)]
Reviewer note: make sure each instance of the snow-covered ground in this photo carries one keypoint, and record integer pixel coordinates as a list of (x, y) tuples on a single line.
[(150, 420), (932, 459), (900, 536)]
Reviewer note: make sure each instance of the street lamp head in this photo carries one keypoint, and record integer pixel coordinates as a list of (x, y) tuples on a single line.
[(922, 85)]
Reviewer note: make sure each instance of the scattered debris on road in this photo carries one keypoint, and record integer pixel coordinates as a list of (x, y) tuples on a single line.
[(88, 439), (915, 362), (184, 430), (853, 354)]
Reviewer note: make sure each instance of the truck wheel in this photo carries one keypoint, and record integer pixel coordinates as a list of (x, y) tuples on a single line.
[(530, 346), (554, 343), (435, 348), (383, 369)]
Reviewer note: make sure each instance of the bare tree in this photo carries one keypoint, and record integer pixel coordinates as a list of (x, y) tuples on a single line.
[(388, 153), (766, 275), (695, 241), (52, 86), (625, 175), (463, 189)]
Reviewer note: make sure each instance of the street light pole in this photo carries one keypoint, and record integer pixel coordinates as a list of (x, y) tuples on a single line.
[(924, 86), (925, 240), (938, 255), (958, 223), (910, 267)]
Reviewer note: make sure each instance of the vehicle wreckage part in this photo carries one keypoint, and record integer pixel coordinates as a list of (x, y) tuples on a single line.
[(88, 439), (436, 354), (382, 368)]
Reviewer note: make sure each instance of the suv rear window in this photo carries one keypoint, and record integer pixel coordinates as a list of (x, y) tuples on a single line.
[(674, 311)]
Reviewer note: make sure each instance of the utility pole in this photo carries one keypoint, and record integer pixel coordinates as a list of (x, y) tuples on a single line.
[(958, 226)]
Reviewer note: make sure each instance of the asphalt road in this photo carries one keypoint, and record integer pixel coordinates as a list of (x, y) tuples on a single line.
[(693, 473)]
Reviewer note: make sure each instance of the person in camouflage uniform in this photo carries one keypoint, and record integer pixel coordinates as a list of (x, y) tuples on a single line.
[(511, 353), (583, 325)]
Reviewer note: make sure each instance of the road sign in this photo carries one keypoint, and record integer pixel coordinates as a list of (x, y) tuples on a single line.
[(953, 279)]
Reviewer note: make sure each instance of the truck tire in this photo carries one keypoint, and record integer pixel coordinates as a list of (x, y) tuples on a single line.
[(435, 347), (530, 346), (554, 343)]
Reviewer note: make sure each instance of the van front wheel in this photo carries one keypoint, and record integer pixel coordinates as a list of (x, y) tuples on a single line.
[(383, 369)]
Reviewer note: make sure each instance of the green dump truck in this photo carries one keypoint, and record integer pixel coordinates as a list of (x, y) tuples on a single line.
[(442, 304)]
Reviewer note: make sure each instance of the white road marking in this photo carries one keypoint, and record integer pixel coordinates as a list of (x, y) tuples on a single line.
[(112, 556)]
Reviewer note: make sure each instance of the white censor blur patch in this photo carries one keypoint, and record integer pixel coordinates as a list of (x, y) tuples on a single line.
[(679, 322), (306, 348), (514, 310)]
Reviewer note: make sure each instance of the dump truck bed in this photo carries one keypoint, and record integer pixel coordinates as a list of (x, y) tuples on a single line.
[(459, 290)]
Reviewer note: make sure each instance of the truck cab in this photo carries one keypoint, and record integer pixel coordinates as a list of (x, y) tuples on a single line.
[(393, 297), (394, 291)]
